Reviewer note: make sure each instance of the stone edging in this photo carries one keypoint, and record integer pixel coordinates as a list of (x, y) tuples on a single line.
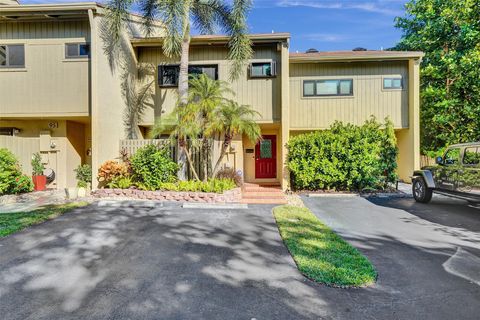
[(229, 196)]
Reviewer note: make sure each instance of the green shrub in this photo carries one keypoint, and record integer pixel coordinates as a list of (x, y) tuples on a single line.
[(120, 183), (12, 180), (213, 185), (152, 166), (345, 157), (37, 165), (23, 184), (83, 173)]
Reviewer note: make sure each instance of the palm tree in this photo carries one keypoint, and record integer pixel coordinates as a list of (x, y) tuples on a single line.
[(183, 125), (231, 119), (178, 17), (206, 96)]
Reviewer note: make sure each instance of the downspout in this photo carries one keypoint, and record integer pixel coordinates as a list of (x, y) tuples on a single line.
[(93, 95)]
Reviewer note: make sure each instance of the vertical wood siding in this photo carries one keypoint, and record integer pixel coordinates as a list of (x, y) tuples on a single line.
[(368, 98), (262, 94), (49, 84), (22, 148)]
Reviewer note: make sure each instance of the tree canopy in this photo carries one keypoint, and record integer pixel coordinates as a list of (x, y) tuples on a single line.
[(448, 31)]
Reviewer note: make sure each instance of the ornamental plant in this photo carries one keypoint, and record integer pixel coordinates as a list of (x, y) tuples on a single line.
[(153, 166), (37, 165), (111, 170), (83, 173), (12, 181), (345, 157)]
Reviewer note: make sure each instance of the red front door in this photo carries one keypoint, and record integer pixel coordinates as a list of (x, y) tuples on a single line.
[(266, 158)]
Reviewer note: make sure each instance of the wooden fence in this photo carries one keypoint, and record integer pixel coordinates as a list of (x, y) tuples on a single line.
[(131, 146), (426, 161), (22, 148)]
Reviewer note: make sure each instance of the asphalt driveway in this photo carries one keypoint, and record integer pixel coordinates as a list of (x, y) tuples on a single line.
[(175, 263)]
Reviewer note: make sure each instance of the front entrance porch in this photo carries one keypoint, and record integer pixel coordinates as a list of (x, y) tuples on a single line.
[(262, 161)]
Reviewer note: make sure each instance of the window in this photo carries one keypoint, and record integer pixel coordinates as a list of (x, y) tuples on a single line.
[(318, 88), (168, 74), (12, 55), (263, 69), (472, 156), (452, 156), (392, 83), (8, 131), (77, 50)]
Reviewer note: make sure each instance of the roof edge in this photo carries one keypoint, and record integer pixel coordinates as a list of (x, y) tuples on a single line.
[(355, 56), (214, 39)]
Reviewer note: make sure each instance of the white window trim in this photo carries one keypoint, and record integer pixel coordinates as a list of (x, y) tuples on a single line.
[(333, 96), (273, 66), (78, 57)]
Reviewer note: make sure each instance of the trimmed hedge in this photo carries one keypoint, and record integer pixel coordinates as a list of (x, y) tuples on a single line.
[(345, 157)]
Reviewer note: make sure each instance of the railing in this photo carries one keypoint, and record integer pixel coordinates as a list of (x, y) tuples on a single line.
[(131, 146)]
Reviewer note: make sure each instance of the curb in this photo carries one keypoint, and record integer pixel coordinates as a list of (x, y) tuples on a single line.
[(193, 205)]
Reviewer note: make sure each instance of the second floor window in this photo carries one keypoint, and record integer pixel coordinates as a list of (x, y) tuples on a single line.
[(319, 88), (12, 55), (263, 69), (168, 74), (77, 50), (392, 83)]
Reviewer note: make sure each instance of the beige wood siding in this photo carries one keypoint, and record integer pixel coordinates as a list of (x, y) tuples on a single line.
[(262, 94), (369, 97), (49, 84)]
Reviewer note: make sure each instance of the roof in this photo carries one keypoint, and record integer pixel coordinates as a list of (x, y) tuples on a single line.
[(215, 39), (30, 12), (370, 55)]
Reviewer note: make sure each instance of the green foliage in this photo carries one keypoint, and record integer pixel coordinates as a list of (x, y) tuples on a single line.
[(448, 31), (83, 173), (153, 166), (22, 184), (12, 180), (320, 254), (212, 185), (346, 157), (37, 165), (121, 183)]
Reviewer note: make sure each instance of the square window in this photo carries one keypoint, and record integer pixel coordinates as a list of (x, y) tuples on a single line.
[(168, 75), (16, 55), (327, 87), (346, 87)]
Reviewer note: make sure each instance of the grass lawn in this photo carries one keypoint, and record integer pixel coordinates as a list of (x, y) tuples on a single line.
[(320, 254), (13, 222)]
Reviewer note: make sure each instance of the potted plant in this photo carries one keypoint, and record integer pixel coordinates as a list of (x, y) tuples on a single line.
[(39, 179), (84, 177)]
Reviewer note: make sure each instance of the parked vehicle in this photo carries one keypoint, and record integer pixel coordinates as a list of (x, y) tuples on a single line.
[(456, 174)]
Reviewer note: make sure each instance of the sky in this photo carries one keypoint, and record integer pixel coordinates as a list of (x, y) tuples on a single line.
[(325, 25)]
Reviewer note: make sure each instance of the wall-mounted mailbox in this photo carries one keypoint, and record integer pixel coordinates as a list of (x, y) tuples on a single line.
[(249, 151)]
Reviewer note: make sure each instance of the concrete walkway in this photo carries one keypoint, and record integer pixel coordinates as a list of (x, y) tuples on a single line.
[(30, 201)]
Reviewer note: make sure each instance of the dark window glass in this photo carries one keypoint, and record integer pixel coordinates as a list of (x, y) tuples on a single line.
[(77, 50), (209, 70), (12, 55), (320, 88), (168, 74), (84, 50)]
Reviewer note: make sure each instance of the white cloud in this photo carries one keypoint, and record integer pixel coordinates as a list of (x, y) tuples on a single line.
[(379, 6)]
